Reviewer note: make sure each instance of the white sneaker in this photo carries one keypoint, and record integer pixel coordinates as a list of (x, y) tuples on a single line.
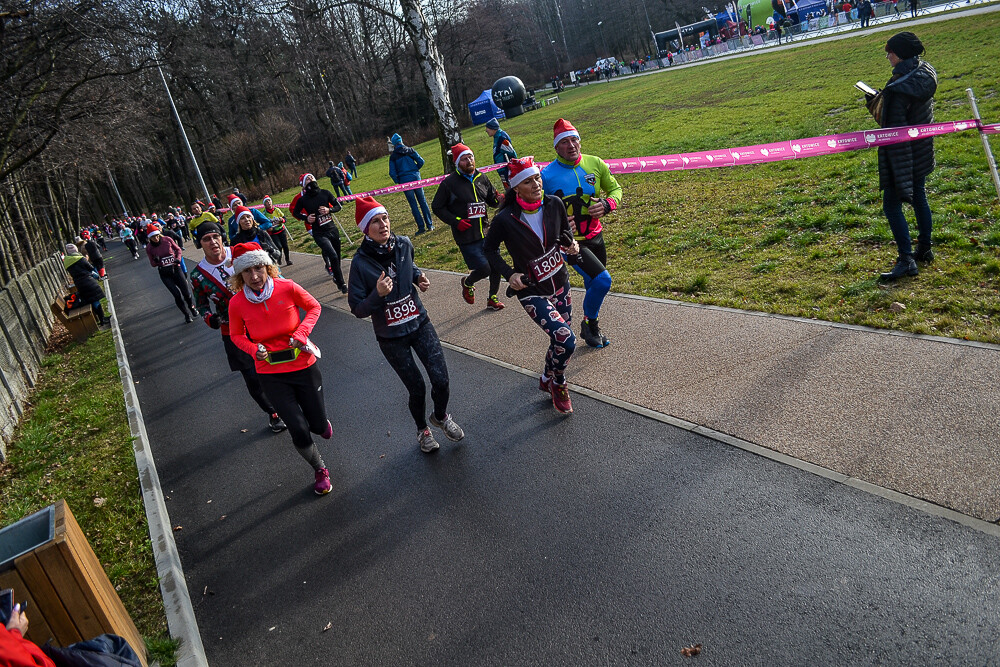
[(452, 431), (427, 442)]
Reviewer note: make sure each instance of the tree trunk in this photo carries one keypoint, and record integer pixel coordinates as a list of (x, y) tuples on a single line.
[(435, 79)]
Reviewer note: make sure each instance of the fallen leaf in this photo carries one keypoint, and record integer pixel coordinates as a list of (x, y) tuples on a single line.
[(328, 626), (897, 307), (208, 502), (271, 628), (99, 502), (176, 528), (691, 651), (222, 517), (382, 457), (243, 430)]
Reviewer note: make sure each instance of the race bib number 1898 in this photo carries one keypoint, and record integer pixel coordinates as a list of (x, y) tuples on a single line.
[(401, 311)]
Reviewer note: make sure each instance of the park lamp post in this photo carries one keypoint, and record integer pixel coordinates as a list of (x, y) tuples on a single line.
[(600, 24), (177, 117), (650, 26)]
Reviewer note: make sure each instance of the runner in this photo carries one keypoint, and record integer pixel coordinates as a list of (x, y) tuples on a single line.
[(383, 276), (579, 180), (93, 253), (503, 149), (165, 255), (278, 230), (249, 232), (534, 228), (264, 322), (315, 207), (210, 284), (198, 216), (262, 220), (461, 202), (127, 237)]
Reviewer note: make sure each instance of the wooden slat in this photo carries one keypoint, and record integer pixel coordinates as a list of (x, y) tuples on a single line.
[(111, 612), (75, 600), (39, 631), (47, 600)]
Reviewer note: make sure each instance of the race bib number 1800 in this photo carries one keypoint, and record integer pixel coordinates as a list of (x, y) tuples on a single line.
[(401, 311), (476, 209), (547, 265)]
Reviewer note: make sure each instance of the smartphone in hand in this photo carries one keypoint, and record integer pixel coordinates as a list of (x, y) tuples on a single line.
[(6, 605)]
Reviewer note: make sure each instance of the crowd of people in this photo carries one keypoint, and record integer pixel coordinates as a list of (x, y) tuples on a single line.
[(547, 219)]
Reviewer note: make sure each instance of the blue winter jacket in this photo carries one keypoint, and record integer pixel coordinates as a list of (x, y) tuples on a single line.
[(404, 164)]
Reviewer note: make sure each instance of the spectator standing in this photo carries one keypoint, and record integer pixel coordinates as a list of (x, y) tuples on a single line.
[(914, 5), (503, 149), (336, 177), (404, 167), (352, 164), (347, 177), (907, 99)]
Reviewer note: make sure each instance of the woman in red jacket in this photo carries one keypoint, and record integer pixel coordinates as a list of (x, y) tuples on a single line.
[(15, 650), (264, 322)]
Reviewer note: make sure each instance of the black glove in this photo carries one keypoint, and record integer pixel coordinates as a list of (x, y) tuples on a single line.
[(212, 320)]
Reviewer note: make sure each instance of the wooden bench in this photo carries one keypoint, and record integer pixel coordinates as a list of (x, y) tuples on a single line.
[(48, 561), (80, 321)]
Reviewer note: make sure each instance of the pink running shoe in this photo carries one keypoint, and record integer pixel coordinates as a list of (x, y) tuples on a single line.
[(328, 432), (322, 485)]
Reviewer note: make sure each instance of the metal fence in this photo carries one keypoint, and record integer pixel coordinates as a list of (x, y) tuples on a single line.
[(26, 322), (831, 24)]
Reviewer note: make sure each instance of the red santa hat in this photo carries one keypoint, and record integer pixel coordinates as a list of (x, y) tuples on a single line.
[(241, 211), (302, 180), (248, 255), (521, 168), (152, 230), (562, 129), (85, 234), (234, 201), (365, 208), (266, 200), (458, 150)]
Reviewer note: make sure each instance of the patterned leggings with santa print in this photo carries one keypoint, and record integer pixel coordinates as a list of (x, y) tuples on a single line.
[(553, 314)]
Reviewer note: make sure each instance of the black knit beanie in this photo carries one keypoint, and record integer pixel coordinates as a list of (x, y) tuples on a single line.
[(906, 45), (207, 227)]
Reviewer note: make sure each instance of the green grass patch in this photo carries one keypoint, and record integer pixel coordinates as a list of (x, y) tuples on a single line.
[(815, 224), (74, 443)]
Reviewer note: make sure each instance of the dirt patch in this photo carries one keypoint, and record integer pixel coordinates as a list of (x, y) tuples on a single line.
[(60, 338)]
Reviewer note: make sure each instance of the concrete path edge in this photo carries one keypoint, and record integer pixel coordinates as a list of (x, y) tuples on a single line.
[(177, 605)]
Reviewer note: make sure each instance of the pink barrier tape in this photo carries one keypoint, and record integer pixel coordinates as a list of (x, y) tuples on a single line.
[(785, 150), (731, 157)]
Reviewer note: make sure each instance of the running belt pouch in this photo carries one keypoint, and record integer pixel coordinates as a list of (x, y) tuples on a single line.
[(282, 356)]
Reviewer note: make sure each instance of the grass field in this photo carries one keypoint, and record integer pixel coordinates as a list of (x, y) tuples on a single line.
[(74, 443), (804, 238)]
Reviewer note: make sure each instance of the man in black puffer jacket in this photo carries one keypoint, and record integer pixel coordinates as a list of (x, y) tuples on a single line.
[(907, 99)]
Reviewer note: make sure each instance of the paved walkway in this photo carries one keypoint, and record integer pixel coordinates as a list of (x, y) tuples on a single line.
[(912, 414)]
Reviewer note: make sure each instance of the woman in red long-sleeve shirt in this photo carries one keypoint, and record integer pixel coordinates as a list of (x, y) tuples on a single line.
[(264, 322)]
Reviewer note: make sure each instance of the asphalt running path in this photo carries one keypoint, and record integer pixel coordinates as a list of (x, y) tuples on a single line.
[(823, 393), (602, 538)]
